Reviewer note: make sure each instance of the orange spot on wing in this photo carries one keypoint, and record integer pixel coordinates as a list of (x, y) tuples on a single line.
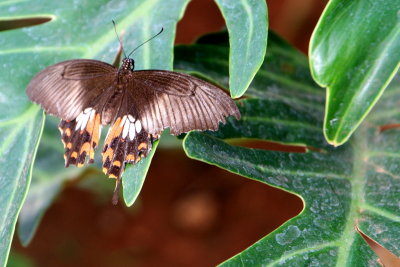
[(80, 165), (68, 132), (105, 170), (130, 157), (74, 155), (85, 147), (96, 129), (114, 132), (109, 153), (89, 125), (69, 145), (112, 176), (117, 163), (93, 128), (142, 145)]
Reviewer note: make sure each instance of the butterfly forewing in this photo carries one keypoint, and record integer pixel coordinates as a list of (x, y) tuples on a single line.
[(179, 101), (67, 88)]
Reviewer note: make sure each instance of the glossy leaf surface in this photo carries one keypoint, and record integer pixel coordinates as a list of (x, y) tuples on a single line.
[(247, 23), (354, 53), (18, 143), (355, 184)]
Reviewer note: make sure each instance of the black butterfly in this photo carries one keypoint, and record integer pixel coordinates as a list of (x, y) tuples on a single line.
[(139, 105)]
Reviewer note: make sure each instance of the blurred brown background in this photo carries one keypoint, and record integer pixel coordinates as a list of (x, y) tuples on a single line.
[(190, 214)]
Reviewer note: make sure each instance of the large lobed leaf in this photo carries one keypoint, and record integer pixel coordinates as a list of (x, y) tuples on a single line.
[(354, 52), (356, 184), (83, 30)]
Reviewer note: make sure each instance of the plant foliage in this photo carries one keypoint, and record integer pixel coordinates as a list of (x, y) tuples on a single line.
[(354, 52)]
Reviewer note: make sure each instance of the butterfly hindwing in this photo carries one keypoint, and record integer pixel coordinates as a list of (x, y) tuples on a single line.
[(81, 137), (126, 142), (179, 101)]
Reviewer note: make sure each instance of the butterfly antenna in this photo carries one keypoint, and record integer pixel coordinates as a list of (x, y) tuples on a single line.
[(146, 41), (119, 39)]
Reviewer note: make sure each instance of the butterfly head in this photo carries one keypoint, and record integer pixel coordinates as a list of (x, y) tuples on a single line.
[(128, 64)]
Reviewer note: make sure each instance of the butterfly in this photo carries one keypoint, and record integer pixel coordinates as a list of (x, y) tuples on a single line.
[(137, 104)]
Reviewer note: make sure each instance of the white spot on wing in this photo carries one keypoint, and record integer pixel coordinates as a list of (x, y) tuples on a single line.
[(126, 129), (78, 122), (132, 131), (92, 113), (132, 119), (138, 126), (84, 121), (84, 117)]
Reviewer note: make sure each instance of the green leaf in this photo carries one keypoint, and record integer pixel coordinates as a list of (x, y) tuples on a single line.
[(355, 52), (134, 177), (81, 30), (247, 24), (18, 143), (355, 184)]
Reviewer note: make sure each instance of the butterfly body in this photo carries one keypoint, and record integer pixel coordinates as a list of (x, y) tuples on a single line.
[(138, 106)]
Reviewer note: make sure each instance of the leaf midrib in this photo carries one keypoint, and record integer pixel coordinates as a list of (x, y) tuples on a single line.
[(363, 84), (357, 181), (380, 212)]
